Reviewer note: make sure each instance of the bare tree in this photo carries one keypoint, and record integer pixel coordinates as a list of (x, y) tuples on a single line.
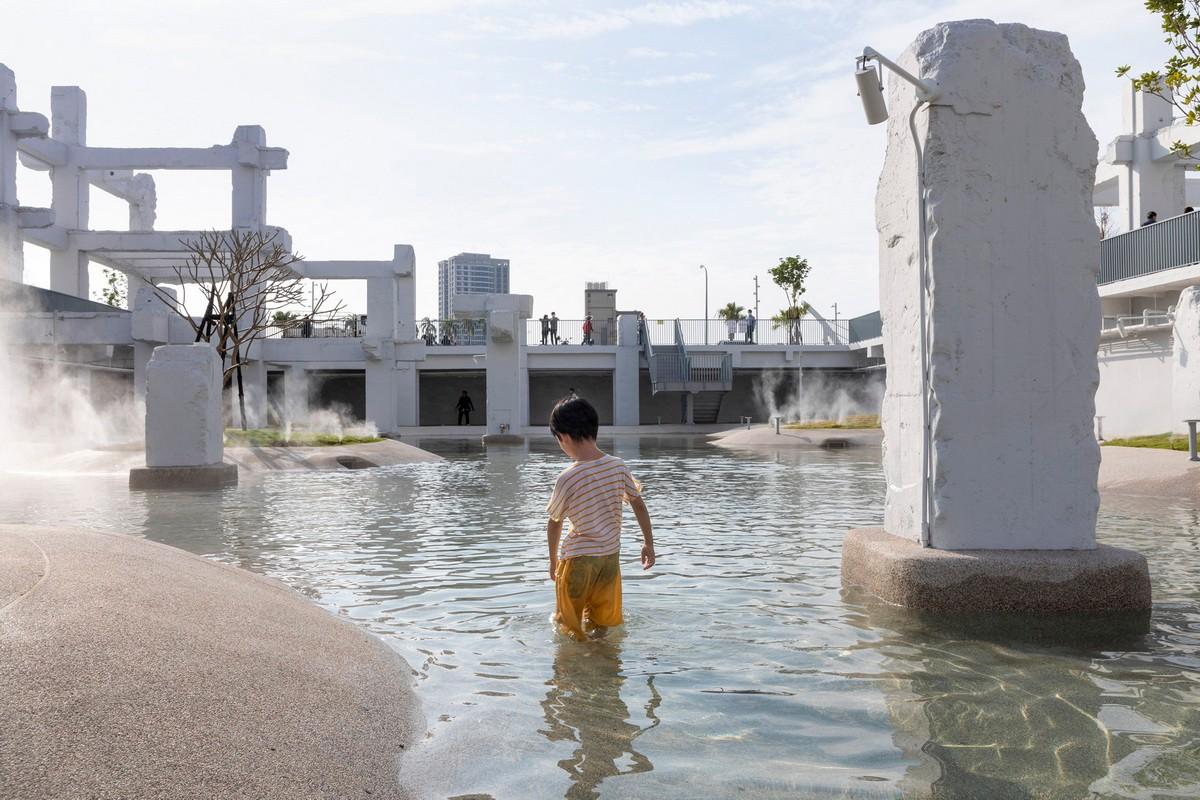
[(246, 278), (1105, 222)]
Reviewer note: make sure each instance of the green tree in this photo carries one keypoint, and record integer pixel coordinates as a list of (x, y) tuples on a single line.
[(730, 311), (790, 317), (789, 275), (115, 291), (1178, 81)]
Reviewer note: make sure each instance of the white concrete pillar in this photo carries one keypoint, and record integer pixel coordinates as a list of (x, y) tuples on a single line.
[(70, 189), (404, 262), (1014, 317), (503, 373), (626, 410), (11, 252), (407, 395), (184, 424), (249, 180), (150, 321)]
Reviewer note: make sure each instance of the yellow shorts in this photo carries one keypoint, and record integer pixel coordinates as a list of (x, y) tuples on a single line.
[(588, 587)]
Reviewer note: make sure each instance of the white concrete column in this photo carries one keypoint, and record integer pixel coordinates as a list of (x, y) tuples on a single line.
[(626, 410), (70, 189), (503, 373), (150, 322), (1014, 317), (184, 425), (407, 394), (295, 394), (249, 180), (11, 252)]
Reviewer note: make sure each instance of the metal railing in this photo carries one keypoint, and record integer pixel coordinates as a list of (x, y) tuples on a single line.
[(570, 332), (351, 327), (1174, 242), (453, 332), (808, 330), (1148, 319), (710, 368)]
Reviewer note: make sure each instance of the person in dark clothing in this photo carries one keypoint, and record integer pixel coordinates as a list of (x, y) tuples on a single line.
[(465, 407), (553, 328), (1151, 218), (545, 328), (750, 323)]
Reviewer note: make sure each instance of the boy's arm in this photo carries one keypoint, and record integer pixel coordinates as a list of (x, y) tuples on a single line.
[(553, 531), (643, 517)]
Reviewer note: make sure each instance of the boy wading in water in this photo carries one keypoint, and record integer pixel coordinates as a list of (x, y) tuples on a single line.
[(586, 568)]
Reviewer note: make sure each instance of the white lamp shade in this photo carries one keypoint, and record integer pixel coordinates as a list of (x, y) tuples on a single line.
[(871, 93)]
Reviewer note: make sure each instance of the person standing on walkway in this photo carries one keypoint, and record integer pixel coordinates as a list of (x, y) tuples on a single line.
[(545, 328), (750, 323), (465, 407), (553, 328), (587, 330)]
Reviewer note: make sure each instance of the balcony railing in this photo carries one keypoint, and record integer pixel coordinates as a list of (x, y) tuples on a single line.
[(1146, 321), (808, 330), (570, 332), (453, 332), (349, 327), (1174, 242)]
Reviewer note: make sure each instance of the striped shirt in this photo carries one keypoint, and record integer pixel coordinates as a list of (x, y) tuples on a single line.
[(590, 494)]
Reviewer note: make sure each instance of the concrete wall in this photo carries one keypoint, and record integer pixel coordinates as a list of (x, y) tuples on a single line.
[(439, 392), (547, 388), (343, 390), (1135, 385)]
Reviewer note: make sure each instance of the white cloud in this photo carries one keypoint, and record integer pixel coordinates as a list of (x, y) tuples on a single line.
[(673, 80), (646, 52), (596, 23)]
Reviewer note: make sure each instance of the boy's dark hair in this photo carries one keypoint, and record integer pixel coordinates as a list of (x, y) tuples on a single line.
[(576, 418)]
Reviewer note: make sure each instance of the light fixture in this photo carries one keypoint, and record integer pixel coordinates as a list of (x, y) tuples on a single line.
[(870, 84), (870, 90)]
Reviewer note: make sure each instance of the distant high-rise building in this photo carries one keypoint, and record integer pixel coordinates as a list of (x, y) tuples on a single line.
[(469, 273)]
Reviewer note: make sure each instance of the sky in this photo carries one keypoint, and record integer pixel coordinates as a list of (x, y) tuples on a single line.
[(627, 142)]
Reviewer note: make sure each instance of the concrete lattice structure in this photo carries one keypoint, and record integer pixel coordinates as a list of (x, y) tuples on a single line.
[(383, 372)]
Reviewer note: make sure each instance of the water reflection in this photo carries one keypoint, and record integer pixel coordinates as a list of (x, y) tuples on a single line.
[(1018, 708), (769, 681), (584, 705)]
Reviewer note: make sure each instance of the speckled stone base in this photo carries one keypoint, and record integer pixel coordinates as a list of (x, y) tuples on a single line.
[(213, 476), (503, 438), (970, 581)]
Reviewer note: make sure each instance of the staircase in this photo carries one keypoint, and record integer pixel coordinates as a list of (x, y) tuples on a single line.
[(706, 407), (709, 376)]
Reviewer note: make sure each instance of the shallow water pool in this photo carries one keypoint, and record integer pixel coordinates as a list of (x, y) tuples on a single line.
[(744, 670)]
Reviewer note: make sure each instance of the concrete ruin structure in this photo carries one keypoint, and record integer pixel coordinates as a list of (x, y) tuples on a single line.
[(1013, 323), (385, 367), (185, 421)]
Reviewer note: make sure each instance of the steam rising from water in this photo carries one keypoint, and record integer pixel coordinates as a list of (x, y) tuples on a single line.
[(799, 396)]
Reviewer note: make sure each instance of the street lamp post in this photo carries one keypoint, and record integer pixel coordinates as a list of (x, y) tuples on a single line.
[(705, 303)]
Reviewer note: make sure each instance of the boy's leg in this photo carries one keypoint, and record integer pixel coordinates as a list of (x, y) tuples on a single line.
[(604, 595), (570, 594)]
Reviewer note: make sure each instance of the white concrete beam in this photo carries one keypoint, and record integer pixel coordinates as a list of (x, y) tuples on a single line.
[(42, 154), (29, 217), (221, 156)]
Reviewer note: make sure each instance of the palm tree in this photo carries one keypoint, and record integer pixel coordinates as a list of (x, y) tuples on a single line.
[(730, 311), (791, 317)]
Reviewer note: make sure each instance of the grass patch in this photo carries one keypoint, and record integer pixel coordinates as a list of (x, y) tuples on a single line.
[(270, 437), (852, 421), (1160, 441)]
